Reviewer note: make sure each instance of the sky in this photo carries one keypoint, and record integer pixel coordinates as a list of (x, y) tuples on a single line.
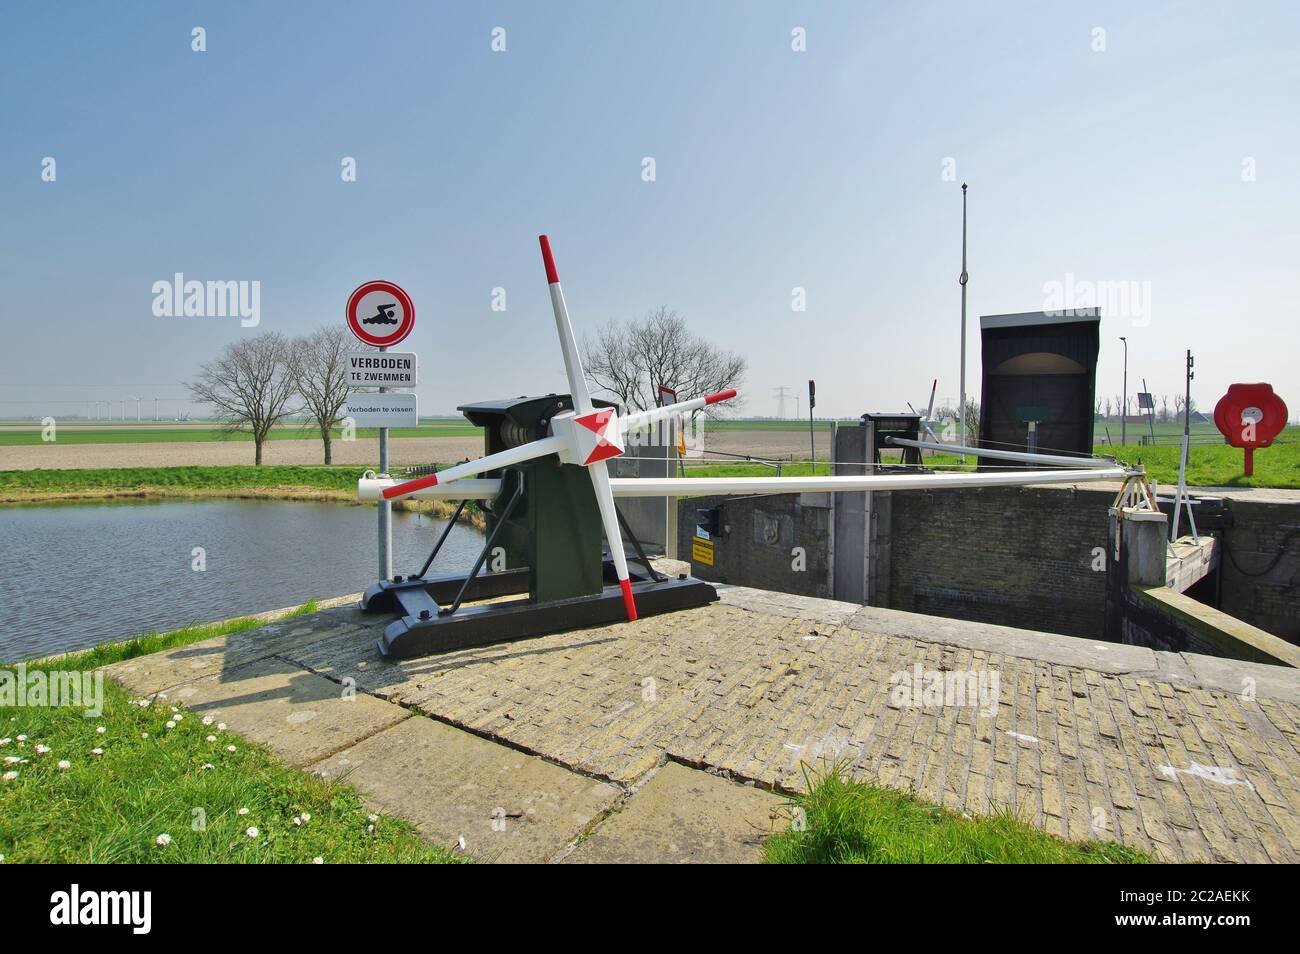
[(802, 152)]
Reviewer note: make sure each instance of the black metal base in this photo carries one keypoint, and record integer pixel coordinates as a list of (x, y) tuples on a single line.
[(413, 595), (422, 628)]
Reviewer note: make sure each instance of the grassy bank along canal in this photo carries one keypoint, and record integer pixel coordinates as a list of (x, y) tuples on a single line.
[(315, 483)]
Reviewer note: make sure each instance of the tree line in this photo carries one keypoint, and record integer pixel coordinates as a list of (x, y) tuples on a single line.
[(259, 382), (1167, 408)]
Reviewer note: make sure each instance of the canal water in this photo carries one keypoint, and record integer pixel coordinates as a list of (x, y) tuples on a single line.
[(73, 575)]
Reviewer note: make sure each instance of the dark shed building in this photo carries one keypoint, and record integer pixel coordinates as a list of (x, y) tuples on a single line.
[(1042, 368)]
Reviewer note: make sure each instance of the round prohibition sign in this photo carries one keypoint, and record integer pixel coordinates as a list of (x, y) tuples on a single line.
[(380, 313)]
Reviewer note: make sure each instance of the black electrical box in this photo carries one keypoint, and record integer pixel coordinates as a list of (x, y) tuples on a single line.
[(709, 519)]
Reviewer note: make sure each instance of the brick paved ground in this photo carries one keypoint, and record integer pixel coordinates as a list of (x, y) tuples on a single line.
[(1168, 753)]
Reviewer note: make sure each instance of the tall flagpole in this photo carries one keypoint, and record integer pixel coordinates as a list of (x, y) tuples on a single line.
[(961, 407)]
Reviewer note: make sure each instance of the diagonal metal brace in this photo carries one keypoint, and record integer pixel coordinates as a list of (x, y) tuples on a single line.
[(487, 548)]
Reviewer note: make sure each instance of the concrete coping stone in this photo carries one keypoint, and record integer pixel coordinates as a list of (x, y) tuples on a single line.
[(1191, 669)]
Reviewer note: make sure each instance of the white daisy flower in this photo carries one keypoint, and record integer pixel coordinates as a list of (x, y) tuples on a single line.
[(163, 840), (12, 759), (306, 816), (318, 860), (221, 727), (10, 776), (22, 738), (97, 751), (41, 749), (297, 821), (144, 735), (207, 720), (100, 730), (64, 764), (243, 811), (230, 748), (251, 832), (373, 818), (5, 741), (171, 725), (208, 765)]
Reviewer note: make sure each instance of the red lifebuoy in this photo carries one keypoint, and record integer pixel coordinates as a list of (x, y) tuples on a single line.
[(1250, 416)]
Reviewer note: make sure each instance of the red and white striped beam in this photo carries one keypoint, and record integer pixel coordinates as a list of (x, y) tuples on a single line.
[(657, 414)]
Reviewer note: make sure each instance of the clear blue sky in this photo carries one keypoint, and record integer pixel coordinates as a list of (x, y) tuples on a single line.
[(775, 169)]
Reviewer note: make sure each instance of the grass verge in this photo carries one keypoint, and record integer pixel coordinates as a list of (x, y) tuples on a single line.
[(842, 821), (268, 482), (215, 796), (135, 479), (1208, 465)]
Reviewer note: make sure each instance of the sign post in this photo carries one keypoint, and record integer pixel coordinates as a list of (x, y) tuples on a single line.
[(812, 438), (382, 314), (668, 396)]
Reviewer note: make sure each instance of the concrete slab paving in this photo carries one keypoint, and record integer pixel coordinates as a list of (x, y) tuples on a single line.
[(507, 806), (685, 816), (1077, 733), (1176, 755), (299, 716)]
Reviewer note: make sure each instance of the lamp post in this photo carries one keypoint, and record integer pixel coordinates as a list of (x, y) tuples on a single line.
[(963, 279), (1123, 411)]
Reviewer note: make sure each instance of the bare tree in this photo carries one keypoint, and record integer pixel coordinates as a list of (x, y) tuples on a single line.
[(971, 419), (318, 365), (249, 386), (630, 361)]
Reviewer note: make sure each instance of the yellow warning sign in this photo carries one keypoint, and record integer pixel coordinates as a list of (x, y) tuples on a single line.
[(702, 551)]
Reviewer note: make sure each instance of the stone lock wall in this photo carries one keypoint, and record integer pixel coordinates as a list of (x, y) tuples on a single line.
[(1012, 556), (1261, 565), (1015, 556), (762, 542)]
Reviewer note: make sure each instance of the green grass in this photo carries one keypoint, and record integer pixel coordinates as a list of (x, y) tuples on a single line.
[(151, 780), (1209, 465), (336, 477), (84, 433), (1218, 465), (841, 821), (783, 424), (801, 469)]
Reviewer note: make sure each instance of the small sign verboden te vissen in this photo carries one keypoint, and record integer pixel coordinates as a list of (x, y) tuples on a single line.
[(382, 410)]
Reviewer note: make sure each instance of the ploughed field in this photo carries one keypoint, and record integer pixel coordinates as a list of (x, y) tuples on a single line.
[(1212, 464), (403, 450)]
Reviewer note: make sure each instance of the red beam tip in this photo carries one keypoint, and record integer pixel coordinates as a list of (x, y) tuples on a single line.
[(398, 490), (720, 396), (628, 602), (552, 276)]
